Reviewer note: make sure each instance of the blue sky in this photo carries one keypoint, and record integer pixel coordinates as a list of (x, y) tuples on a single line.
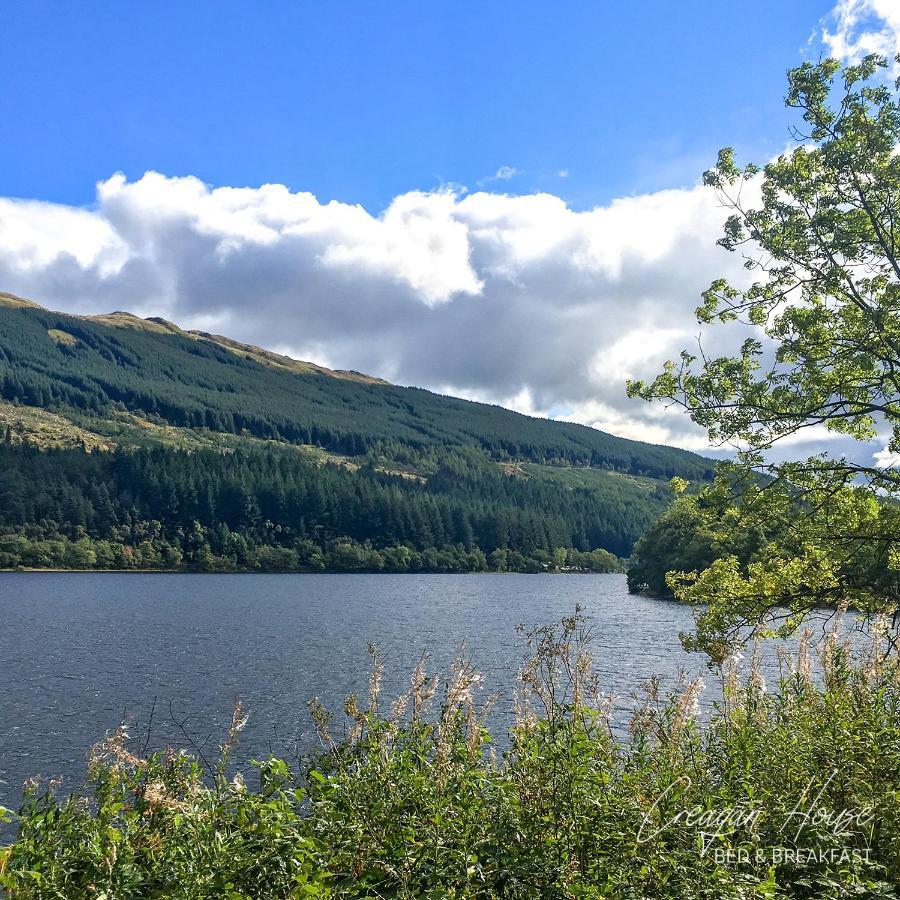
[(495, 200), (362, 101)]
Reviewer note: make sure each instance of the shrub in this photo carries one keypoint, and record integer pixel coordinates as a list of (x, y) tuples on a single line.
[(788, 793)]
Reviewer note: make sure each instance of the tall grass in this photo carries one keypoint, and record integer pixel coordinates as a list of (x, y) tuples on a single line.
[(786, 790)]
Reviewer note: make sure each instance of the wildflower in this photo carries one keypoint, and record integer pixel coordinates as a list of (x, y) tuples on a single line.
[(113, 750), (879, 631), (687, 706), (756, 683), (641, 720), (604, 702), (158, 796), (321, 720), (375, 678), (463, 679), (421, 687), (831, 646), (731, 668), (804, 663), (155, 794), (356, 716), (398, 707), (351, 706), (581, 680), (785, 662), (239, 720), (523, 713)]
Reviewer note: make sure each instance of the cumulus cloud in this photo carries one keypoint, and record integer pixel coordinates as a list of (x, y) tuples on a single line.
[(519, 300), (886, 458), (861, 27)]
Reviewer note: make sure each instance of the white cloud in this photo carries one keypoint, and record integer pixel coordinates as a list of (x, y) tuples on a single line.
[(886, 458), (504, 173), (512, 299), (38, 233), (862, 27)]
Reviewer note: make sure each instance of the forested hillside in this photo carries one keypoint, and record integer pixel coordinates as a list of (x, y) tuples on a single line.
[(129, 443), (274, 509), (55, 361)]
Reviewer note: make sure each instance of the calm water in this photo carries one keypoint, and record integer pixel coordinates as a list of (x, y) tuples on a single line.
[(78, 652)]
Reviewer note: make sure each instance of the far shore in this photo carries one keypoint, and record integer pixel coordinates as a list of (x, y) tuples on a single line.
[(24, 570)]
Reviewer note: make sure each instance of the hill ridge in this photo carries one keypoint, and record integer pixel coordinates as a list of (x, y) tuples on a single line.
[(129, 442), (152, 368), (123, 319)]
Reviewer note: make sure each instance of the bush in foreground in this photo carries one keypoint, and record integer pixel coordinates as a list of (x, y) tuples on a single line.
[(789, 793)]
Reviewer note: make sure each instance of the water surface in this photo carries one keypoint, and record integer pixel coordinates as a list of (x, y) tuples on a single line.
[(78, 652)]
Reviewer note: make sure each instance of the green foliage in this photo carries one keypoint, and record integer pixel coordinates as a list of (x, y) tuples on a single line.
[(744, 548), (155, 828), (826, 313), (789, 793), (274, 509), (290, 471), (681, 540), (177, 380)]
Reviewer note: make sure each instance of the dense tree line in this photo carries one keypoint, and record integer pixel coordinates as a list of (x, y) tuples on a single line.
[(274, 509), (193, 383), (690, 536), (719, 527)]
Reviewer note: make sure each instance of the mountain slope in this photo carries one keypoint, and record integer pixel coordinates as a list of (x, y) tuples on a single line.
[(151, 368), (130, 443)]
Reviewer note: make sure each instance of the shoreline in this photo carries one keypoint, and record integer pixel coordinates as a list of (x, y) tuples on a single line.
[(31, 571)]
